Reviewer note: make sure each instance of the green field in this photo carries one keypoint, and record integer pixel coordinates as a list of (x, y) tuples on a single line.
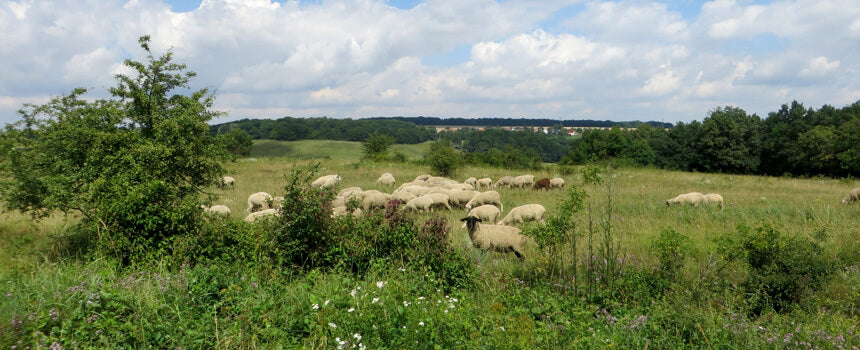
[(52, 296)]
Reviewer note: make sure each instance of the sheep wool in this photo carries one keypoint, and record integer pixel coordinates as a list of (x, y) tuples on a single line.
[(542, 184), (486, 212), (227, 181), (253, 217), (484, 183), (422, 203), (259, 201), (556, 182), (691, 198), (504, 181), (852, 196), (386, 180), (523, 213), (502, 239), (216, 210), (489, 197), (712, 199), (375, 200)]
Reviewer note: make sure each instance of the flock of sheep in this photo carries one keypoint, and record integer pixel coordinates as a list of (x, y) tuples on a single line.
[(427, 193)]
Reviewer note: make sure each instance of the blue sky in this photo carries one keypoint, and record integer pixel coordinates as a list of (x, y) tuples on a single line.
[(560, 59)]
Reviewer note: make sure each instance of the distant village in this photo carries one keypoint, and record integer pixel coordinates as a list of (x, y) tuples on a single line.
[(569, 130)]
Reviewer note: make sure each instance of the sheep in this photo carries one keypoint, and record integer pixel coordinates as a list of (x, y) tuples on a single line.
[(852, 196), (460, 198), (422, 177), (504, 181), (375, 200), (523, 181), (403, 196), (691, 198), (277, 202), (711, 198), (487, 212), (502, 239), (422, 203), (439, 199), (216, 210), (227, 181), (542, 184), (326, 181), (489, 197), (386, 180), (349, 191), (341, 211), (252, 217), (484, 183), (523, 213), (471, 181), (556, 182), (259, 201)]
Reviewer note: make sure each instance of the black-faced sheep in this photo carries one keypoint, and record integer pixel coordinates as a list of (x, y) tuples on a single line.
[(487, 213), (852, 196), (542, 184), (259, 201), (711, 198), (502, 239), (489, 197), (691, 198), (523, 213)]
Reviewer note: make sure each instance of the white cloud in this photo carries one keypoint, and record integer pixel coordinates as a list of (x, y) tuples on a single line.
[(662, 83), (819, 66)]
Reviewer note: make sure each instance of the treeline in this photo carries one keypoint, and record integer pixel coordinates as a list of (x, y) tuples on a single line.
[(292, 129), (795, 141), (432, 121), (513, 149)]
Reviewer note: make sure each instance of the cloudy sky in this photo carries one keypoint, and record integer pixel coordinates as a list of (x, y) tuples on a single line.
[(616, 60)]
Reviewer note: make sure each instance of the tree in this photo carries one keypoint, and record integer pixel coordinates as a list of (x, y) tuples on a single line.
[(443, 158), (376, 146), (134, 166), (730, 141), (236, 141)]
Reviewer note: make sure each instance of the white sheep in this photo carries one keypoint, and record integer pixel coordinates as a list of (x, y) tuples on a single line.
[(277, 202), (486, 212), (852, 196), (259, 201), (471, 181), (422, 177), (252, 217), (484, 183), (341, 211), (386, 180), (227, 181), (376, 200), (326, 181), (403, 196), (502, 239), (439, 199), (556, 182), (523, 213), (460, 198), (524, 181), (349, 191), (422, 203), (711, 198), (216, 210), (691, 198), (489, 197), (504, 181)]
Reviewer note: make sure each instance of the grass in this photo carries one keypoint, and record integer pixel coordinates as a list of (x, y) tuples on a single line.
[(97, 304)]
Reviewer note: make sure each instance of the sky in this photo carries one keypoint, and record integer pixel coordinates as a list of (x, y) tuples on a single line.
[(568, 59)]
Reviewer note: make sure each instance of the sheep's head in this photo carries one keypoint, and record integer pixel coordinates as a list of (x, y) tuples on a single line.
[(471, 222)]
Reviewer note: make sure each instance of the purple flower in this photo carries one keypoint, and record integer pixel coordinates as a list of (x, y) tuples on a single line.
[(54, 314)]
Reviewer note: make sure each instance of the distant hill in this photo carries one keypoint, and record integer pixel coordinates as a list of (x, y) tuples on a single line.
[(433, 121)]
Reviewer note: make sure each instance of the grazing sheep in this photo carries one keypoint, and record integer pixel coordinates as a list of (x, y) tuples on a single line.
[(484, 183), (852, 196), (556, 182), (471, 181), (711, 198), (277, 202), (252, 217), (460, 198), (691, 198), (504, 181), (386, 180), (341, 211), (422, 177), (403, 196), (349, 191), (259, 201), (375, 200), (489, 197), (216, 210), (542, 184), (439, 199), (422, 203), (326, 181), (227, 181), (523, 181), (523, 213), (487, 213), (502, 239)]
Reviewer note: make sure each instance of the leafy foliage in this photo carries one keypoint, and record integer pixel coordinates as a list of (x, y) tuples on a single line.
[(443, 158), (376, 147), (236, 141), (292, 129), (134, 166)]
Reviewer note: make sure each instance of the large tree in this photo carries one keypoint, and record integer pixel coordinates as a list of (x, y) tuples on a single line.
[(730, 141), (133, 166)]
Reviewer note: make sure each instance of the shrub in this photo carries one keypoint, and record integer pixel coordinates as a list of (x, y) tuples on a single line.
[(670, 248), (375, 147), (443, 159)]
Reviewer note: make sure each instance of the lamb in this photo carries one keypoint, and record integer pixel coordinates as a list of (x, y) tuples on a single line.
[(422, 203), (375, 200), (484, 183), (489, 197), (386, 180), (506, 181), (487, 212), (852, 196), (556, 182), (502, 239), (471, 181), (711, 198), (523, 213), (326, 181), (216, 210), (259, 201), (691, 198), (227, 181), (252, 217), (542, 184)]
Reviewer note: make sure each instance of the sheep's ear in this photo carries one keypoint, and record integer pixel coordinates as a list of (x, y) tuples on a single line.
[(464, 219)]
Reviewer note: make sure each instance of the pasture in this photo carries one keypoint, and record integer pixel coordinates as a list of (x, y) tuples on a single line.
[(94, 303)]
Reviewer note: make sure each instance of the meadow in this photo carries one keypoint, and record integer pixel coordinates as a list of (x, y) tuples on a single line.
[(53, 297)]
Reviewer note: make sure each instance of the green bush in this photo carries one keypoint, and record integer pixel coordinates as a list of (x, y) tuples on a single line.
[(670, 247), (443, 158)]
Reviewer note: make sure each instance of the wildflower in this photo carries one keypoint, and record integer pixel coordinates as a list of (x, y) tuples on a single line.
[(405, 303), (402, 269), (361, 346), (381, 284), (357, 337), (56, 346), (315, 307), (54, 314), (374, 301), (326, 302), (420, 298), (502, 328), (421, 323), (351, 309), (332, 325)]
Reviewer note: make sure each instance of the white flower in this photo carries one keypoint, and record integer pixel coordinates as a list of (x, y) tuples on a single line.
[(332, 325), (405, 303), (402, 269), (446, 311), (351, 309), (502, 328), (352, 293), (454, 300), (420, 298), (381, 284), (315, 306), (361, 346), (326, 302), (374, 300), (421, 323), (357, 337)]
